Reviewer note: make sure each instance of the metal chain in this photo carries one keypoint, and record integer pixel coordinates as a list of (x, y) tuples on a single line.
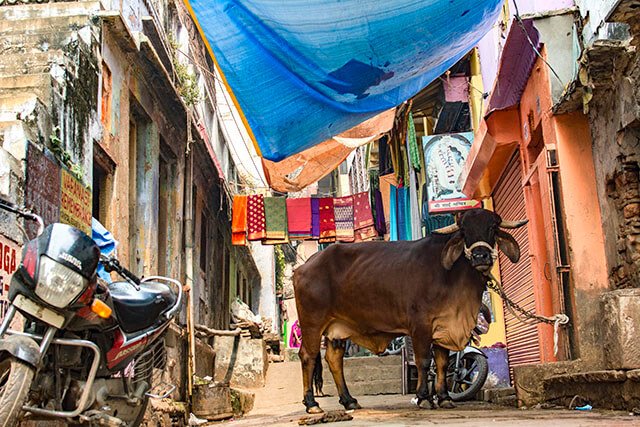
[(492, 284), (555, 320)]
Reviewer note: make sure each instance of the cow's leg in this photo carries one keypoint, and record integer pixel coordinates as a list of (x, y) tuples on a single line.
[(309, 351), (441, 355), (422, 352), (334, 357)]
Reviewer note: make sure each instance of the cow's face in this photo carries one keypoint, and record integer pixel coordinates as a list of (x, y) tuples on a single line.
[(478, 235)]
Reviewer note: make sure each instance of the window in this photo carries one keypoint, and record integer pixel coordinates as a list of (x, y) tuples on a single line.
[(105, 111), (204, 239), (166, 205)]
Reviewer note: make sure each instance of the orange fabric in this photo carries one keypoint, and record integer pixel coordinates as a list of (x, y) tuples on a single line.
[(239, 221), (386, 181), (300, 170)]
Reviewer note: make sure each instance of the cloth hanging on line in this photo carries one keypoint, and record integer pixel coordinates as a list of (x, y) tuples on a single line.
[(255, 217), (402, 213), (393, 213), (381, 226), (327, 220), (239, 221), (299, 218), (275, 213), (315, 218), (414, 153), (363, 224), (386, 181), (343, 211)]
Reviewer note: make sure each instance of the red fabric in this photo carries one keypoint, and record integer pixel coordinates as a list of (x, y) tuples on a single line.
[(255, 218), (327, 221), (363, 223), (362, 216), (343, 211), (299, 218), (239, 221)]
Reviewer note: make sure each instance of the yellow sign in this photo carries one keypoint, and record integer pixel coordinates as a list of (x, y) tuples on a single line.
[(75, 203)]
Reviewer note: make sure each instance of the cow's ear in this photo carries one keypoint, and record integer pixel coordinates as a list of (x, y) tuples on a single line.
[(452, 250), (508, 245)]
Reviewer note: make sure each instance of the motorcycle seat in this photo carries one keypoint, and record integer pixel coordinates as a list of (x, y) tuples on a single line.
[(137, 310)]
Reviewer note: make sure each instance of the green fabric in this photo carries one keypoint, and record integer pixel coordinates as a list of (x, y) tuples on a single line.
[(275, 213), (414, 153)]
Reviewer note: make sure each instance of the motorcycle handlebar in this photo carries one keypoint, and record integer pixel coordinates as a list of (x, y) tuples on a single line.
[(112, 264), (24, 213)]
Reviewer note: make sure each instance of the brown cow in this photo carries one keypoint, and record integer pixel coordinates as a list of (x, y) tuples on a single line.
[(373, 292)]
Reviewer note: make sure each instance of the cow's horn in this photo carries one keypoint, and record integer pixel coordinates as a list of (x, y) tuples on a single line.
[(449, 229), (513, 224)]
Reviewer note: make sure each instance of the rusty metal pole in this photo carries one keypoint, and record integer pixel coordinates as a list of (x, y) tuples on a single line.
[(189, 258)]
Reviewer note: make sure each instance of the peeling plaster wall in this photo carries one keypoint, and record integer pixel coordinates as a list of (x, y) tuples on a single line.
[(615, 128)]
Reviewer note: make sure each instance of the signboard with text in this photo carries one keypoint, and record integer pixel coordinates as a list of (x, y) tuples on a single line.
[(75, 203), (43, 187), (445, 156), (10, 254)]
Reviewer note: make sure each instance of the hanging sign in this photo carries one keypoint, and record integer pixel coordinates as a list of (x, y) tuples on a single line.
[(445, 156)]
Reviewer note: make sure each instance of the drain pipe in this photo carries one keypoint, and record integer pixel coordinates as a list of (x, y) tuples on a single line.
[(191, 365)]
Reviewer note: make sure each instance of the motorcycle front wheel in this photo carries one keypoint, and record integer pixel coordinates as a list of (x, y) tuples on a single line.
[(15, 382), (472, 373)]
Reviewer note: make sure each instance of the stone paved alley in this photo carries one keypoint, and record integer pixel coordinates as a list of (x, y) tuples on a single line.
[(278, 404)]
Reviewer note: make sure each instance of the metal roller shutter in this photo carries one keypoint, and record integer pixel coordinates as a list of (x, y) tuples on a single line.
[(523, 343)]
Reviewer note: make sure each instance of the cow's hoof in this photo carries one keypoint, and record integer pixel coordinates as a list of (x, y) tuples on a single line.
[(422, 403), (425, 404), (446, 404), (314, 410), (352, 405)]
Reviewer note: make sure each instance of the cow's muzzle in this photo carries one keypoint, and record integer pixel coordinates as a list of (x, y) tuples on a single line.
[(481, 255)]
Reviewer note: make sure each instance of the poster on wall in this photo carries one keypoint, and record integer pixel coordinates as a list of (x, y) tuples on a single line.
[(43, 187), (75, 203), (10, 254), (445, 156)]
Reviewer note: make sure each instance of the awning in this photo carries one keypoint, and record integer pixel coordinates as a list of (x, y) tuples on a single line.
[(499, 132), (303, 71), (299, 170)]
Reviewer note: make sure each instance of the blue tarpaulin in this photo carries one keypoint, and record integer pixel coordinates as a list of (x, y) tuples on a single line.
[(302, 71)]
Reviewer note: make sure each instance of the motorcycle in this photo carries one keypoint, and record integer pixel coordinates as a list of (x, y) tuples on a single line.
[(90, 353), (467, 370)]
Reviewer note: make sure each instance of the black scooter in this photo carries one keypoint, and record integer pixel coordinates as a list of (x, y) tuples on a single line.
[(90, 353)]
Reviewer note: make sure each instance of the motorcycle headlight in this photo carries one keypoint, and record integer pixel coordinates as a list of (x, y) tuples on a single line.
[(58, 285)]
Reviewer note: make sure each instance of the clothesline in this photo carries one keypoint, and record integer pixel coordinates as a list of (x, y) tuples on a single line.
[(278, 220)]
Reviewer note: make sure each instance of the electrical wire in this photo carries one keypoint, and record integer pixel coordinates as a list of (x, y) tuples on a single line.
[(230, 103), (535, 49)]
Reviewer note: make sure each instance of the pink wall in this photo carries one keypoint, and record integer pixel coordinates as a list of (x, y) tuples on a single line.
[(538, 6), (490, 47)]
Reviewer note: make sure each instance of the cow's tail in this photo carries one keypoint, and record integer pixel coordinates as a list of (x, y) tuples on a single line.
[(317, 376)]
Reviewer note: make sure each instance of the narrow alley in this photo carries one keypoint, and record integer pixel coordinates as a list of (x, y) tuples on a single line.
[(213, 211), (278, 404)]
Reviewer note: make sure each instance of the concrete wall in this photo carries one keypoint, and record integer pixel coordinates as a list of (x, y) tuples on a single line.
[(614, 117), (595, 13)]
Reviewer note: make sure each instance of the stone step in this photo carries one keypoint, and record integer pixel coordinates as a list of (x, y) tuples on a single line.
[(23, 84), (369, 375), (33, 42), (43, 27), (493, 394), (367, 388), (31, 63), (33, 12)]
